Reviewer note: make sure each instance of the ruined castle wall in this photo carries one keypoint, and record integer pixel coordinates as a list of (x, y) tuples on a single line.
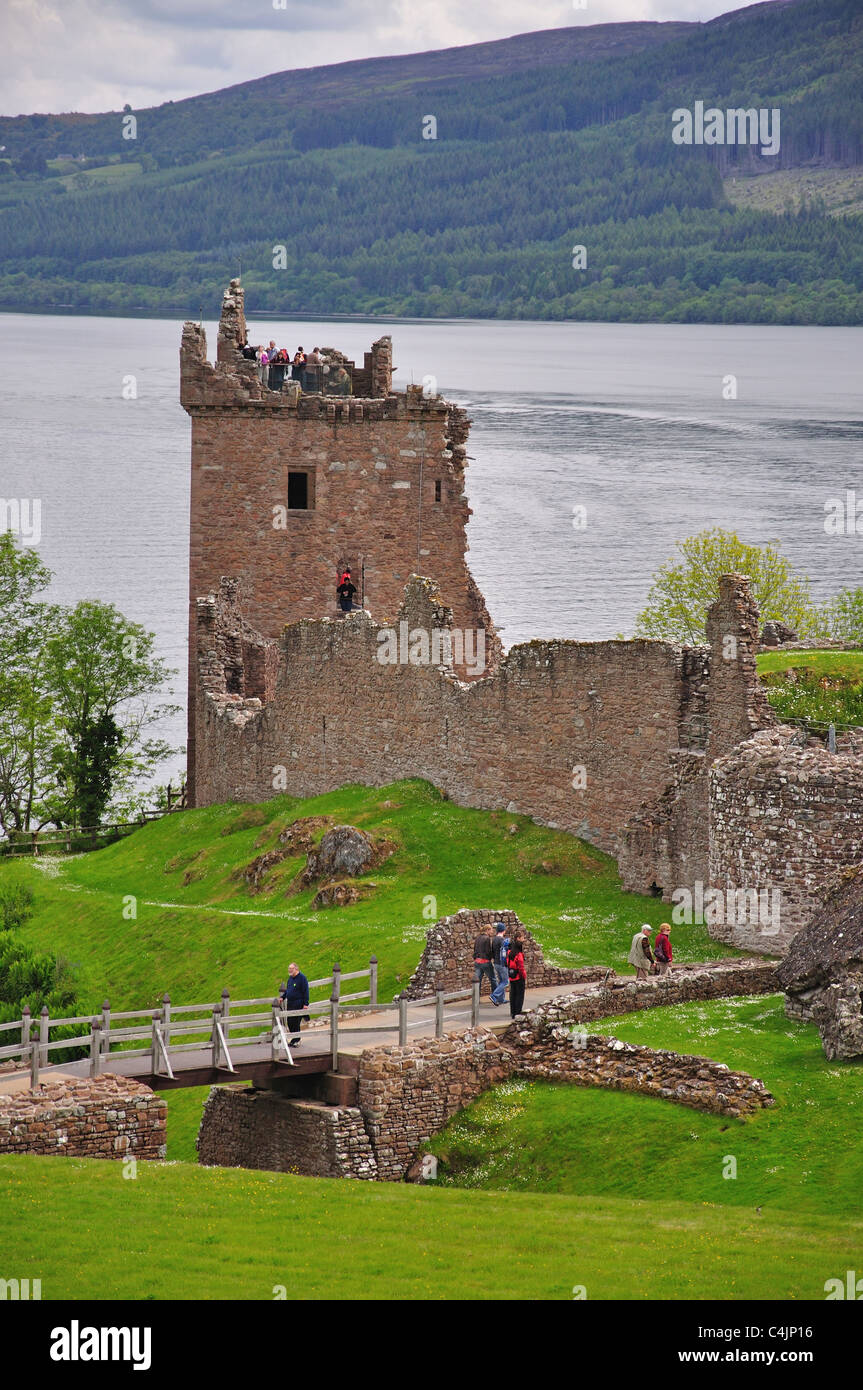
[(510, 739), (782, 817), (245, 1128), (372, 495), (385, 492), (665, 846), (407, 1094), (681, 985), (99, 1117)]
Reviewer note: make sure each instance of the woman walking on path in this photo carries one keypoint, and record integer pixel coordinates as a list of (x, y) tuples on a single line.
[(517, 975), (662, 949)]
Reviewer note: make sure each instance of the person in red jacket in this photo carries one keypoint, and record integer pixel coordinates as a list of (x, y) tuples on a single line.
[(662, 949), (517, 975)]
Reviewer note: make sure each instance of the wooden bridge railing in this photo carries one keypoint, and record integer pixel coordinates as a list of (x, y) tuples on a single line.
[(222, 1028)]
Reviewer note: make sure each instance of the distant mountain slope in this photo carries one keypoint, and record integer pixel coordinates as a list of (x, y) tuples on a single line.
[(544, 142)]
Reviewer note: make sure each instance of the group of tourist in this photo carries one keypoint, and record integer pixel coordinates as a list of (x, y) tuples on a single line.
[(311, 370), (647, 961), (501, 958)]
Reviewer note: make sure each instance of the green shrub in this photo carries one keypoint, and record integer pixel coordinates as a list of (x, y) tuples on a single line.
[(16, 904)]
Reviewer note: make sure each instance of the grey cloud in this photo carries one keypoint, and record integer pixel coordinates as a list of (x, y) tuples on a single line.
[(324, 17)]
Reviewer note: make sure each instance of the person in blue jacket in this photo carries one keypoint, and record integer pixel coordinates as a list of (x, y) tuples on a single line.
[(295, 993)]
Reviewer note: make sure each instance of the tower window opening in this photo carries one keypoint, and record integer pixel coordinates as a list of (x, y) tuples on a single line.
[(437, 490), (298, 492)]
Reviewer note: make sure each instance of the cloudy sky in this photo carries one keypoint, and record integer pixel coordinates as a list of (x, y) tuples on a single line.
[(96, 55)]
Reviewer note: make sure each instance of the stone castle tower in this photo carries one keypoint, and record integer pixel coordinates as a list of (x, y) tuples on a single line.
[(289, 487)]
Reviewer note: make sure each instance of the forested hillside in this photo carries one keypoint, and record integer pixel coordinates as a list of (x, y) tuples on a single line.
[(543, 143)]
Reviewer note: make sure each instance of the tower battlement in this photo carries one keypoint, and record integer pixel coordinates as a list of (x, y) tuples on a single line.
[(235, 380)]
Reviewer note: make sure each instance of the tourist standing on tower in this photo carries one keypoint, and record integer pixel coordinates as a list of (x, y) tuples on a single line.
[(345, 591)]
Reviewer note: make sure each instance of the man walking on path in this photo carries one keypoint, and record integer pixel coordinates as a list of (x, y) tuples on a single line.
[(296, 996), (640, 954), (498, 957), (482, 961)]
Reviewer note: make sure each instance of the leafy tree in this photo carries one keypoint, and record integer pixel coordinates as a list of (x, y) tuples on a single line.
[(27, 729), (682, 591), (841, 618), (77, 706), (104, 675)]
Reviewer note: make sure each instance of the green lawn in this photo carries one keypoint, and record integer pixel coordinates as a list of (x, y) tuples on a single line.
[(197, 929), (180, 1232), (824, 687), (801, 1155), (822, 663)]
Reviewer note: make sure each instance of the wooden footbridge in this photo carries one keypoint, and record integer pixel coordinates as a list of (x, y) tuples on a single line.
[(231, 1039)]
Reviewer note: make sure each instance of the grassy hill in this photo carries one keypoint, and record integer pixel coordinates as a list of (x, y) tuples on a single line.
[(213, 1233), (584, 1171), (199, 927), (801, 1155), (820, 686), (543, 142), (622, 1194)]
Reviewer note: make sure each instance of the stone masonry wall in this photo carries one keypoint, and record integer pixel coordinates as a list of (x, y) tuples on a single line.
[(682, 985), (447, 959), (100, 1117), (512, 739), (386, 492), (665, 844), (406, 1094), (245, 1128), (784, 818)]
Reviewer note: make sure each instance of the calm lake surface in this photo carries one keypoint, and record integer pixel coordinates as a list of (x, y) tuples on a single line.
[(627, 421)]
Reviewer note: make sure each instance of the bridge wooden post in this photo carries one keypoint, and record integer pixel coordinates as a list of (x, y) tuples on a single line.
[(214, 1039), (166, 1018), (226, 1009), (373, 980), (474, 1004), (25, 1026), (403, 1022), (438, 1014), (95, 1047), (106, 1025), (334, 1030), (337, 981), (35, 1051), (44, 1024)]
